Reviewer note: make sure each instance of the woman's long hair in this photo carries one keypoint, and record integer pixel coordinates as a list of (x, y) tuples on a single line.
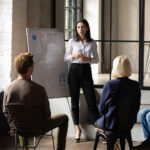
[(88, 33)]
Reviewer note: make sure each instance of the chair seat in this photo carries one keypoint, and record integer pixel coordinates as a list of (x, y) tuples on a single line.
[(111, 137), (107, 132), (122, 122), (27, 122)]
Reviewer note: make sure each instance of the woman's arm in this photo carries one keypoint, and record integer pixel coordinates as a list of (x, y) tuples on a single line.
[(45, 105), (95, 58), (138, 97), (68, 54), (104, 97)]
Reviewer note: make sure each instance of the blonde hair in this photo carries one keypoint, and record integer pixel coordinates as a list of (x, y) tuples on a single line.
[(121, 67), (22, 62)]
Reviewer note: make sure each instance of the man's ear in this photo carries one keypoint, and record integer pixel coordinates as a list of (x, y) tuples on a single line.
[(30, 70)]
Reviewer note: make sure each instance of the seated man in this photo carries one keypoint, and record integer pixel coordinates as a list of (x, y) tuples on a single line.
[(145, 121), (24, 91)]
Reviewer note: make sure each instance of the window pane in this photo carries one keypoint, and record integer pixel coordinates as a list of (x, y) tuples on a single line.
[(67, 3), (101, 72), (79, 3), (147, 20), (106, 20), (125, 20), (68, 34), (131, 50), (146, 65), (79, 14), (73, 12)]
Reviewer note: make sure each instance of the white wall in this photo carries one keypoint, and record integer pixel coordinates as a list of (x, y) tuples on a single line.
[(5, 41), (12, 37)]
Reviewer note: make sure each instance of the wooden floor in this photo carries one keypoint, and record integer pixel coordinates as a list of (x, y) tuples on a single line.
[(46, 144)]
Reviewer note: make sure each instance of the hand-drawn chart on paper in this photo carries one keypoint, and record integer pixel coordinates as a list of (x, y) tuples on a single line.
[(50, 70)]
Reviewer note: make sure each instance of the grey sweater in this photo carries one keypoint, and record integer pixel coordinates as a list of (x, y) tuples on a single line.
[(27, 92)]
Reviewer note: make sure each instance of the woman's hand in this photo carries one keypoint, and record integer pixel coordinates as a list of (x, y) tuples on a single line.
[(77, 55), (82, 56), (85, 58)]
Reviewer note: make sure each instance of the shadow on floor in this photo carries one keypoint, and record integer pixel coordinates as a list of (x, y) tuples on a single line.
[(7, 143)]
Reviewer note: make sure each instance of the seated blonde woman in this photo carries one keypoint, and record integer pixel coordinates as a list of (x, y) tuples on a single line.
[(121, 85)]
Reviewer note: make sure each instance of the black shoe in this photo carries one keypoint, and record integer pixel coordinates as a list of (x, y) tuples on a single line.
[(77, 140)]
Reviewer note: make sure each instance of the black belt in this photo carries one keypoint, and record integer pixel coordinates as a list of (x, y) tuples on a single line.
[(78, 64)]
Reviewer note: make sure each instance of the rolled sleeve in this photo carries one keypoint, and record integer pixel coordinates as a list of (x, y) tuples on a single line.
[(95, 58), (104, 97), (45, 104), (138, 97), (68, 54)]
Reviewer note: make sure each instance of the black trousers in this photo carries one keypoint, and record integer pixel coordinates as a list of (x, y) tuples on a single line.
[(80, 76)]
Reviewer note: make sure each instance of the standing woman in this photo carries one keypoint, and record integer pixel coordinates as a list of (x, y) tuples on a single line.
[(81, 52)]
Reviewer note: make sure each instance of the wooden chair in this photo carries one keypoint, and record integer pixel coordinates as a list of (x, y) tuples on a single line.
[(124, 112), (27, 121)]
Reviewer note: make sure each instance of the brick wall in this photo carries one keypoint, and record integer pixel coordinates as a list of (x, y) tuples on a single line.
[(15, 16), (12, 37), (5, 41)]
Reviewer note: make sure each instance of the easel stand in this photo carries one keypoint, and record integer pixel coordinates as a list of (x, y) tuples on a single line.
[(70, 111)]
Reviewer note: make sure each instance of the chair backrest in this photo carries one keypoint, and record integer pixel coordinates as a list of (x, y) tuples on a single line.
[(4, 127), (27, 119), (126, 113)]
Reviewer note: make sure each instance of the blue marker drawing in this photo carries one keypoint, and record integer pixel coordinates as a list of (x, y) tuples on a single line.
[(62, 79), (34, 37)]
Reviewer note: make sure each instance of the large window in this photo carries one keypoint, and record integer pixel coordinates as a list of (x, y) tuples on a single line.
[(124, 30), (119, 36)]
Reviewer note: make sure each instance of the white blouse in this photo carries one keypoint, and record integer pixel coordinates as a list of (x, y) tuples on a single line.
[(89, 49)]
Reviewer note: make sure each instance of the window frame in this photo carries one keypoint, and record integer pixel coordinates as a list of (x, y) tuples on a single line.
[(76, 14), (141, 41)]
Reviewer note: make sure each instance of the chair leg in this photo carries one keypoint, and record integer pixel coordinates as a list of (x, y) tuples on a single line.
[(34, 142), (111, 143), (129, 139), (15, 141), (110, 146), (96, 140), (51, 134), (122, 143), (53, 142)]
